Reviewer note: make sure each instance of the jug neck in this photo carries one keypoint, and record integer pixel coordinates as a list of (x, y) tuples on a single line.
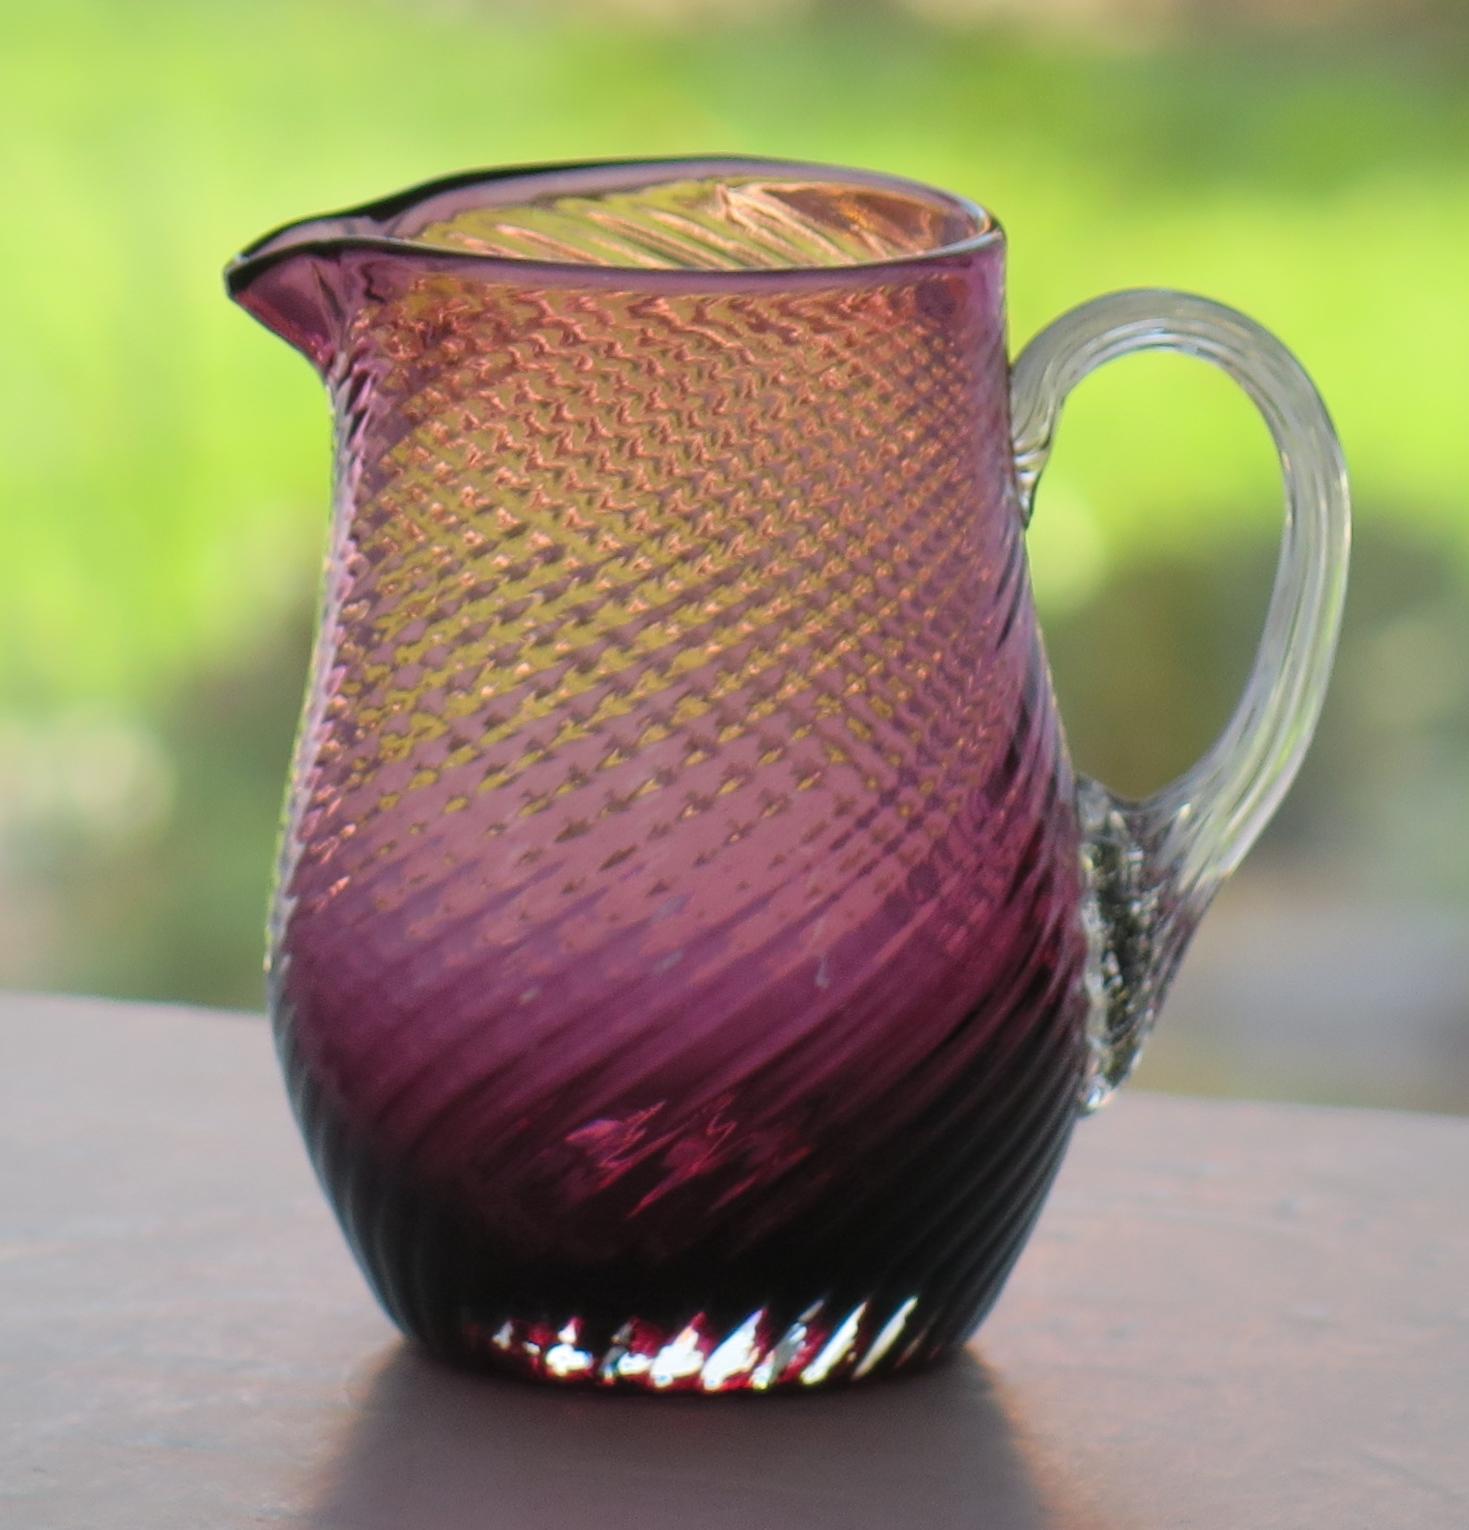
[(655, 227)]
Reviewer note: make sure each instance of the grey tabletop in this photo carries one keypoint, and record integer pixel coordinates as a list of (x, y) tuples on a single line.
[(1230, 1316)]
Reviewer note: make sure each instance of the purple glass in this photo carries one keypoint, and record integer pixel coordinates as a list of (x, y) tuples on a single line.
[(691, 946)]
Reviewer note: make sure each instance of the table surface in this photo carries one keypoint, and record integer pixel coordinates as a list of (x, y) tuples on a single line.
[(1230, 1315)]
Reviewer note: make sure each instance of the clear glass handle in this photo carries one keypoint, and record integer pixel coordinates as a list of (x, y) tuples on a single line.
[(1152, 867)]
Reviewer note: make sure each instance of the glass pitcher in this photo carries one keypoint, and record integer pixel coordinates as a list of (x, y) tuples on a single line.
[(691, 946)]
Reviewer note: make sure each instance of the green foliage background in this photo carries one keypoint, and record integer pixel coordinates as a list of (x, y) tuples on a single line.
[(163, 462)]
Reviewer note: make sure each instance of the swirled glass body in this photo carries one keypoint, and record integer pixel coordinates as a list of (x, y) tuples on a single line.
[(676, 956)]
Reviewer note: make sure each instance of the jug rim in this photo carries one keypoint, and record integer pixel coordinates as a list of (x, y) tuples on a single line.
[(367, 227)]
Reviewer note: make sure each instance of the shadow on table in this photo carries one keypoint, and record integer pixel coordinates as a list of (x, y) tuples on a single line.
[(432, 1447)]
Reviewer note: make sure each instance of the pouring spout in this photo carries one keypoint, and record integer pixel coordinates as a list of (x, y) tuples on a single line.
[(292, 281)]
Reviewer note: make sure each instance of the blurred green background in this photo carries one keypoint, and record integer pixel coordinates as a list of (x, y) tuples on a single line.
[(164, 462)]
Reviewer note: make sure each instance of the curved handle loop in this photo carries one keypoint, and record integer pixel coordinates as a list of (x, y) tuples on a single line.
[(1153, 866)]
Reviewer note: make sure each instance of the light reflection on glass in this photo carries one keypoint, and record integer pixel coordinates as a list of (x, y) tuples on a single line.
[(886, 1339), (738, 1355), (696, 1355), (836, 1348), (564, 1358), (680, 1358)]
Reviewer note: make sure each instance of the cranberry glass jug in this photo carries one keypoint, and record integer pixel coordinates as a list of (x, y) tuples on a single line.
[(691, 946)]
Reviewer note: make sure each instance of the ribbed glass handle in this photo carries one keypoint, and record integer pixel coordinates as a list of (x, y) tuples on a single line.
[(1153, 866)]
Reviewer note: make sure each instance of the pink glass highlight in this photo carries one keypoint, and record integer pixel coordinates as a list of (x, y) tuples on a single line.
[(678, 958)]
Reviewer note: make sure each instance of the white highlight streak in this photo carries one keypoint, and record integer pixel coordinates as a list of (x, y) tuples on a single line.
[(836, 1347), (681, 1357), (887, 1338), (736, 1355)]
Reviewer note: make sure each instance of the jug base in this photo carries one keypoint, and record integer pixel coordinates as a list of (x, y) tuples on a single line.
[(886, 1283), (826, 1345)]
